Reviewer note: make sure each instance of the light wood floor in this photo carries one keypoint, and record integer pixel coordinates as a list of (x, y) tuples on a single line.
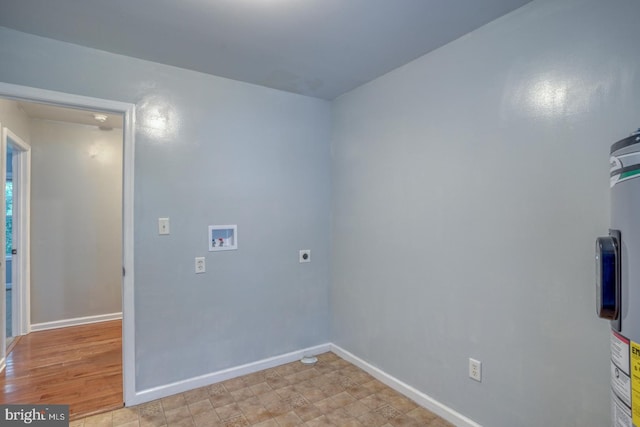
[(79, 366)]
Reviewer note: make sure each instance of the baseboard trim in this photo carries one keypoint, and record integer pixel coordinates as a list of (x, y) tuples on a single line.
[(225, 374), (215, 377), (75, 322), (417, 396)]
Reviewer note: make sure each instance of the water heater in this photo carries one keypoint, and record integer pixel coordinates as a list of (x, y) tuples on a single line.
[(618, 281)]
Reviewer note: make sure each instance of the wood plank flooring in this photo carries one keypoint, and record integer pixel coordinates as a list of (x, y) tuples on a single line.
[(79, 366)]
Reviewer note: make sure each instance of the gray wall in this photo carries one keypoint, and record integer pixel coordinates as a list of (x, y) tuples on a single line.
[(231, 153), (487, 159), (76, 221), (468, 189)]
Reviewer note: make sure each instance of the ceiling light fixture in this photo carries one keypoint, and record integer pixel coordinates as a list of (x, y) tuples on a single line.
[(100, 117)]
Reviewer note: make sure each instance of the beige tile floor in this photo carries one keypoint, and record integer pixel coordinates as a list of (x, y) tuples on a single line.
[(332, 392)]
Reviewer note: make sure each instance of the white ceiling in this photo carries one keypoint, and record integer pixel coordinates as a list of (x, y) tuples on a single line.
[(320, 48), (71, 115)]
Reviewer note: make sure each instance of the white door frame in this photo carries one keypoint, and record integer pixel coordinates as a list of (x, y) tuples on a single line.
[(24, 93), (21, 281)]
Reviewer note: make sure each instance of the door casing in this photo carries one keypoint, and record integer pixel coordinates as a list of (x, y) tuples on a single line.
[(21, 220)]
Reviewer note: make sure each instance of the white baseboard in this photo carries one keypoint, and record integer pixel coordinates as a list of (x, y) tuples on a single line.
[(237, 371), (226, 374), (401, 387), (205, 380), (74, 322)]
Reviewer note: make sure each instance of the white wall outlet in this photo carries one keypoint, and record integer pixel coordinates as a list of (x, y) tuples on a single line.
[(200, 264), (475, 370), (163, 226), (305, 255)]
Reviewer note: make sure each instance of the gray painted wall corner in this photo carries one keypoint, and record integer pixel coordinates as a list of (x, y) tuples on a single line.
[(468, 188)]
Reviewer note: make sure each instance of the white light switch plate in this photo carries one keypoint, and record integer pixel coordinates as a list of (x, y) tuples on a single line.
[(163, 226)]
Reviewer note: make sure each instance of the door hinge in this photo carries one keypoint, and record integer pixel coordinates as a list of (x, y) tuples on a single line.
[(14, 252)]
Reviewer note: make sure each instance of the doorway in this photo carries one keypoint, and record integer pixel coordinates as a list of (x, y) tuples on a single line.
[(26, 94), (75, 256)]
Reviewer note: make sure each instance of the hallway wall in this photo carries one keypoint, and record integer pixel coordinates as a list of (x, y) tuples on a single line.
[(76, 221)]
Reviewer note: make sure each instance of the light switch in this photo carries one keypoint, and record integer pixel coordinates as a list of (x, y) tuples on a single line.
[(163, 226)]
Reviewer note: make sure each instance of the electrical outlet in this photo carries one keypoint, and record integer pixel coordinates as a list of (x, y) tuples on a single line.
[(305, 255), (475, 370), (200, 264)]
